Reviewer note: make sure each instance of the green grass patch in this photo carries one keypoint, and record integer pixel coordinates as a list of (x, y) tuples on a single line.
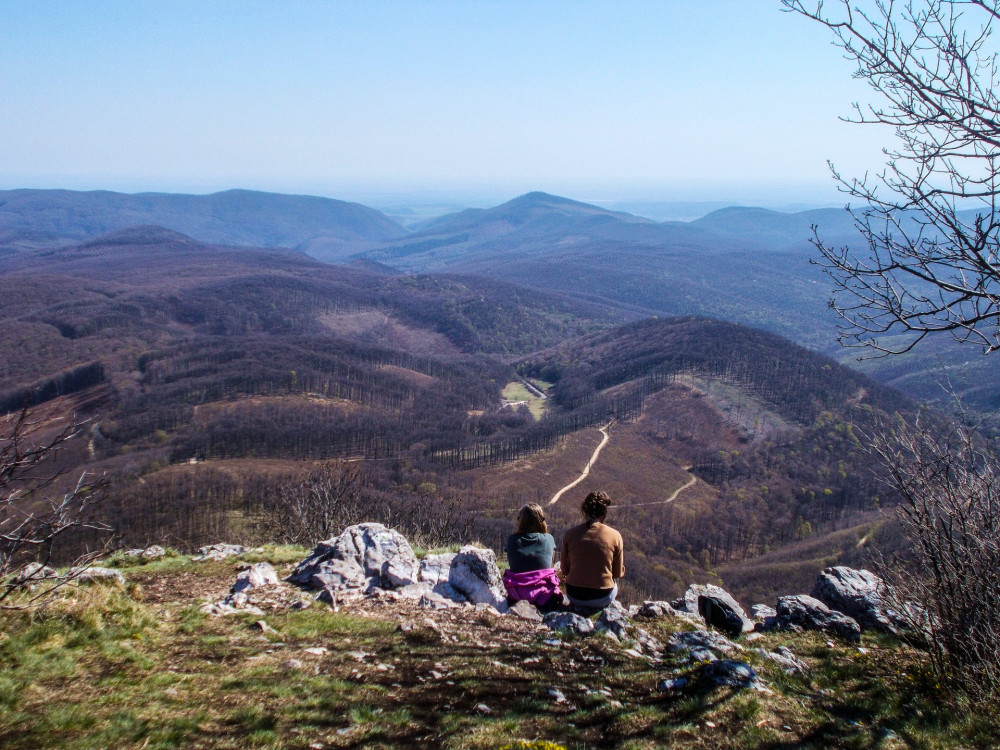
[(101, 669), (516, 391)]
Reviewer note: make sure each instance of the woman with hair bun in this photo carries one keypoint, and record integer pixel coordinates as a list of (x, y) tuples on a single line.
[(593, 556), (530, 554)]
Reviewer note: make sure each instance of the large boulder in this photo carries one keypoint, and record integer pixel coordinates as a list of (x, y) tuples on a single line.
[(808, 613), (858, 594), (368, 555), (436, 570), (723, 604), (475, 575)]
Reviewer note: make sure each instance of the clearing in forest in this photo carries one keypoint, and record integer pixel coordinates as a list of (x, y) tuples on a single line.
[(517, 392)]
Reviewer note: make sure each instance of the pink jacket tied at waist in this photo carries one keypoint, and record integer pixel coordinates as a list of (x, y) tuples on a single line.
[(535, 586)]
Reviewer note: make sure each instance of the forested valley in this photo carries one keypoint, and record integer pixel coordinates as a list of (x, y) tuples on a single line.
[(213, 383)]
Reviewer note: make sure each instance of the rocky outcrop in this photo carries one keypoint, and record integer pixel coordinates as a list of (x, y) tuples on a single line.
[(614, 622), (859, 594), (371, 558), (365, 556), (31, 574), (806, 613)]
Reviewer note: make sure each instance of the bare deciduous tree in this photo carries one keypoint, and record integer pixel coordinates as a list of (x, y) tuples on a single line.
[(316, 506), (930, 219), (322, 501), (34, 517), (947, 488)]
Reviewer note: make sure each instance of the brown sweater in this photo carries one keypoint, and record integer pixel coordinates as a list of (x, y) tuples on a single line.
[(592, 556)]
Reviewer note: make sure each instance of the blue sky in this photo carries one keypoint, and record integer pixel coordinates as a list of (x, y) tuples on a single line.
[(665, 100)]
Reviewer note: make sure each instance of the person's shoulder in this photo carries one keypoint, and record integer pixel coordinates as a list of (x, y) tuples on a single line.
[(574, 531)]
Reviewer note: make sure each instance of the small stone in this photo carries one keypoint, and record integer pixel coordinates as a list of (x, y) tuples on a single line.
[(569, 621), (292, 664), (730, 673), (263, 627), (218, 552), (557, 695), (674, 685), (315, 650), (482, 708), (526, 611)]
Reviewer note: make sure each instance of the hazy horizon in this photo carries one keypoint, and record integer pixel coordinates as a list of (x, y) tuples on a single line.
[(475, 103)]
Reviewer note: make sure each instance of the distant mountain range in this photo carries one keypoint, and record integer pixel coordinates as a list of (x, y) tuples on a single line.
[(742, 264), (233, 217)]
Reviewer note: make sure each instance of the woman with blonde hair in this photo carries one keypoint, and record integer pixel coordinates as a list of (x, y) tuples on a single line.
[(592, 556), (530, 555)]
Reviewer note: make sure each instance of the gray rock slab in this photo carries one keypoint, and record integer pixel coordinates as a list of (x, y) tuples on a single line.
[(257, 575), (811, 614), (784, 658), (475, 575), (689, 640), (859, 594), (653, 610), (526, 611)]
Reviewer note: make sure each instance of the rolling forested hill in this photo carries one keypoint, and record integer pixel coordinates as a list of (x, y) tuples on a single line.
[(211, 375)]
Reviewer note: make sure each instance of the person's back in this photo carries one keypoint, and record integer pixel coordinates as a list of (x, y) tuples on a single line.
[(530, 555), (593, 556), (531, 551)]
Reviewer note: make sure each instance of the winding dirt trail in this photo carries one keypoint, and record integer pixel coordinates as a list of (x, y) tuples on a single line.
[(673, 496), (586, 469)]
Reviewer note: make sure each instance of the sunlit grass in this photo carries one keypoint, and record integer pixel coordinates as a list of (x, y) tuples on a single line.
[(102, 669)]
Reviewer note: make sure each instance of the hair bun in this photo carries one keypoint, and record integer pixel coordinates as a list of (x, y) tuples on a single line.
[(595, 505)]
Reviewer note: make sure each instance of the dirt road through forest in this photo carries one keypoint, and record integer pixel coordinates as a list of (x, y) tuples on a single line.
[(586, 469)]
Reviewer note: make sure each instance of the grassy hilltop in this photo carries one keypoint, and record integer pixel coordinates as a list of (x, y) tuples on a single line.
[(141, 666)]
